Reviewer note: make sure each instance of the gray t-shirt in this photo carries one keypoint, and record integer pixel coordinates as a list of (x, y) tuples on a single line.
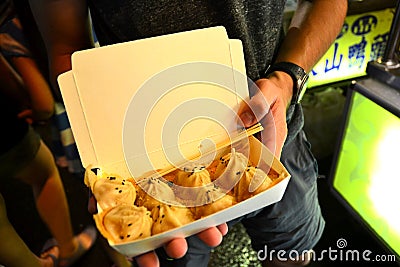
[(258, 24)]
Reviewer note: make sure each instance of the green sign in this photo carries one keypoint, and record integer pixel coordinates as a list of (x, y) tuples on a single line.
[(363, 38)]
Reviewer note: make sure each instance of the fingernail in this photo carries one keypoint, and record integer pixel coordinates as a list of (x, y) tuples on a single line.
[(247, 118)]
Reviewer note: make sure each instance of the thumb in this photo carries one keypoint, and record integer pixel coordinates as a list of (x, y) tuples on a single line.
[(253, 110), (246, 116)]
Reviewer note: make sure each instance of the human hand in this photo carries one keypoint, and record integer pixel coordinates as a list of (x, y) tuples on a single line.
[(268, 107), (177, 247), (27, 115)]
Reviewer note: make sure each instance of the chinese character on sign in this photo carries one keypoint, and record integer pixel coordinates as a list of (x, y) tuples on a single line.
[(335, 64), (378, 46), (357, 53), (364, 25)]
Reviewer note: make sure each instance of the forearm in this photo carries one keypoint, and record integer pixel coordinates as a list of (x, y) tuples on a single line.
[(65, 28), (315, 26), (11, 85), (41, 98)]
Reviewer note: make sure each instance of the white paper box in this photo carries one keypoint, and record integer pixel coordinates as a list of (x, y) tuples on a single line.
[(102, 84)]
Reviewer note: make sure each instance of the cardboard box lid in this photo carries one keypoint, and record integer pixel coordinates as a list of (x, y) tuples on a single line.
[(108, 89)]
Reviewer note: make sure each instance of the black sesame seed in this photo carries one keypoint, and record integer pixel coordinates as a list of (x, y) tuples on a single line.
[(120, 191), (141, 234), (127, 236), (129, 224), (163, 216)]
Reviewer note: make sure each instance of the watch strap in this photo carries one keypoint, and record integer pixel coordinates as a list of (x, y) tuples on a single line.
[(297, 73)]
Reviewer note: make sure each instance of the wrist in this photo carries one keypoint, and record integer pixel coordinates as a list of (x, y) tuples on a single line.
[(297, 74), (284, 82)]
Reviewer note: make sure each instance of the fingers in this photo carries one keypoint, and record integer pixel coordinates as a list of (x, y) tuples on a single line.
[(149, 259), (253, 110), (223, 228), (213, 236), (275, 129), (176, 248), (92, 203), (27, 113), (267, 106)]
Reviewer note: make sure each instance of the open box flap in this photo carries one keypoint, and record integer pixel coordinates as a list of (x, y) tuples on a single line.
[(106, 108), (76, 117)]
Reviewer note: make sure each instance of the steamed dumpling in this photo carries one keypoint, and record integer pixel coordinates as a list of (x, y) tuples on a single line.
[(112, 190), (152, 192), (229, 169), (166, 217), (191, 177), (216, 201), (254, 176), (125, 223)]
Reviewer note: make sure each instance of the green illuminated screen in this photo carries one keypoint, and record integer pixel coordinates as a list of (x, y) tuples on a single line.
[(367, 171)]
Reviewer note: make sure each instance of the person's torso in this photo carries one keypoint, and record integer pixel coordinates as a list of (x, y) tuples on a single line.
[(257, 24)]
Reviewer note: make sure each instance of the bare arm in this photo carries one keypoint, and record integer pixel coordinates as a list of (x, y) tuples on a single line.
[(11, 85), (314, 27), (65, 28), (41, 98)]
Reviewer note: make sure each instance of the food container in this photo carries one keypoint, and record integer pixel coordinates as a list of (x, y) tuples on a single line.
[(268, 197), (104, 97)]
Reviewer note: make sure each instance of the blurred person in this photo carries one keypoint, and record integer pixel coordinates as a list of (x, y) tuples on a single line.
[(277, 63), (35, 103), (15, 253), (39, 105), (37, 99), (23, 155)]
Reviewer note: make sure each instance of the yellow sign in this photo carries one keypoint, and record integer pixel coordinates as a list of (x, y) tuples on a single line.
[(363, 38)]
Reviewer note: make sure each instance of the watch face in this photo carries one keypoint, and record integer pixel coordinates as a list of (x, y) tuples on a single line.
[(302, 88)]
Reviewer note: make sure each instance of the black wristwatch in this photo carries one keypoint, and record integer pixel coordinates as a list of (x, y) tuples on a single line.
[(298, 74)]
